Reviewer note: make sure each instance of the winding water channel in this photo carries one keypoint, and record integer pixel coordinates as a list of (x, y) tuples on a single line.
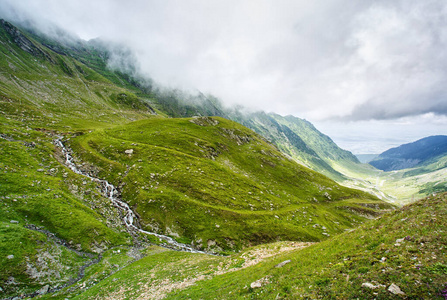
[(110, 191)]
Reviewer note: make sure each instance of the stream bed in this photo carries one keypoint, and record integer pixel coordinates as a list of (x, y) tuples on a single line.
[(129, 217)]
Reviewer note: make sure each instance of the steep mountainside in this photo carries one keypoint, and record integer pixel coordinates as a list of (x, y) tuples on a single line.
[(80, 152), (413, 154), (293, 136)]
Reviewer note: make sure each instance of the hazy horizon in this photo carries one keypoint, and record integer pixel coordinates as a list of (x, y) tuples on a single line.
[(369, 74)]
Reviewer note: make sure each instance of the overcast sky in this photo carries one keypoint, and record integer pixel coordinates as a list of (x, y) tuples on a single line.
[(370, 74)]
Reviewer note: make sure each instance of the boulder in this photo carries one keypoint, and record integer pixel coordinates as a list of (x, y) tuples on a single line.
[(394, 289), (282, 264)]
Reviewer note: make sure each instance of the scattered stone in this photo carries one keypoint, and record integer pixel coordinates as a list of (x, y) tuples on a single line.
[(383, 259), (372, 286), (14, 222), (40, 170), (394, 289), (10, 256), (43, 290), (204, 121), (282, 264), (129, 151), (11, 281), (399, 242), (369, 285), (260, 282)]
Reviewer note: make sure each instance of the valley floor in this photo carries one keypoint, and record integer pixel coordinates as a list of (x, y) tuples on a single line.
[(400, 255), (397, 187)]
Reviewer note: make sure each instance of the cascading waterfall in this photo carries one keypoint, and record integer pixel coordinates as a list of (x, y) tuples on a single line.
[(111, 192)]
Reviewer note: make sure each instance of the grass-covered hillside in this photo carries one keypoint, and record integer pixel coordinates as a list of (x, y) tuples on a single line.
[(40, 87), (215, 184), (296, 138), (53, 222), (398, 256), (208, 182)]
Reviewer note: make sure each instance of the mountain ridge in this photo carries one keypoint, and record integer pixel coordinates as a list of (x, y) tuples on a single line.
[(412, 154), (287, 133)]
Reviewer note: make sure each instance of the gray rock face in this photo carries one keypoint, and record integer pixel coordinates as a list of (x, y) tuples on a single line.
[(23, 42)]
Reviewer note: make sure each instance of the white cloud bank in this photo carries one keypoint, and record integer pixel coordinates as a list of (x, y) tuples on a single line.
[(333, 59)]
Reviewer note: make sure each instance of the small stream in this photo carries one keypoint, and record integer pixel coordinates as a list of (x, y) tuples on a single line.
[(110, 191)]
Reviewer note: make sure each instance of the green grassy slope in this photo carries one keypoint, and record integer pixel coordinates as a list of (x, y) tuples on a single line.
[(43, 88), (405, 248), (209, 182), (216, 184), (43, 94)]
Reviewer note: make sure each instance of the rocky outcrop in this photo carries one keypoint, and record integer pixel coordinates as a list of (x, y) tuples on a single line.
[(23, 42)]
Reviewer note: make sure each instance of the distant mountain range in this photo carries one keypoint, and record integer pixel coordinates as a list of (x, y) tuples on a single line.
[(412, 155)]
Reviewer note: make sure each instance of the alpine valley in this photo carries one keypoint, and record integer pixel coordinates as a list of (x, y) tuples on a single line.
[(112, 188)]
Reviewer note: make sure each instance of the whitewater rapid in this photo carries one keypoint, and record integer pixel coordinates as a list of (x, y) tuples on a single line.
[(110, 191)]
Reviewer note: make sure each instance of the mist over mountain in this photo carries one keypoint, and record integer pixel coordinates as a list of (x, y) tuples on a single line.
[(372, 68)]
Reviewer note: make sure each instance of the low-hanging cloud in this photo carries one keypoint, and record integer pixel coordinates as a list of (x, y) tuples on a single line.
[(315, 59)]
